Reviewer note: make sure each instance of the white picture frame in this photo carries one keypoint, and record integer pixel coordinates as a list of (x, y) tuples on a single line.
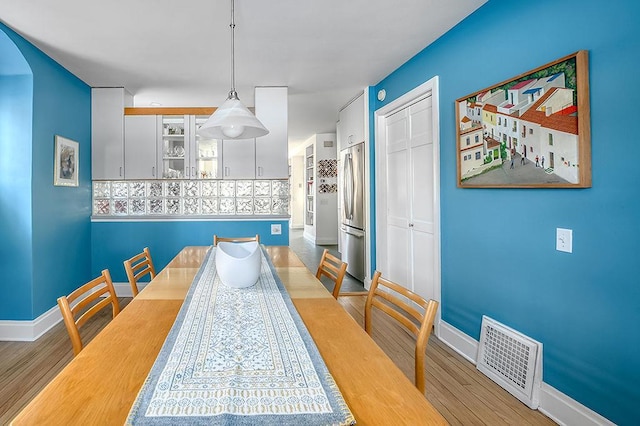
[(65, 166)]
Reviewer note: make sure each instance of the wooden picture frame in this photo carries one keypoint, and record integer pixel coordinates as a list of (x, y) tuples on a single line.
[(531, 131), (65, 166)]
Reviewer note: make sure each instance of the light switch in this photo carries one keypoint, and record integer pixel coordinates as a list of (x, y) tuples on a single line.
[(564, 240)]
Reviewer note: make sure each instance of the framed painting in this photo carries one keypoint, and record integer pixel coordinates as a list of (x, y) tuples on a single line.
[(65, 167), (531, 131)]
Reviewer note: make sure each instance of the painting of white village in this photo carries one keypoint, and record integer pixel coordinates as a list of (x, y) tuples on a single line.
[(523, 132)]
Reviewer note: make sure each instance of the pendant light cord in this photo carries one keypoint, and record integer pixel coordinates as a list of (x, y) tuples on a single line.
[(233, 92)]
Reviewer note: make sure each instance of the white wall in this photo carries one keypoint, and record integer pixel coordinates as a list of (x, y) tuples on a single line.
[(297, 192)]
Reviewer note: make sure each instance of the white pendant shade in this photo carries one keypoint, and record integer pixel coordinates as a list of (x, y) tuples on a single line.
[(232, 120)]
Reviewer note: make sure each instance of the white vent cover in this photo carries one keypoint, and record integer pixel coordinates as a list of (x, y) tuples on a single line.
[(512, 360)]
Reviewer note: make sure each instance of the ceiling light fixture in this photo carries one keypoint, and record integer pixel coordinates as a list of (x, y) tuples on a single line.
[(232, 120)]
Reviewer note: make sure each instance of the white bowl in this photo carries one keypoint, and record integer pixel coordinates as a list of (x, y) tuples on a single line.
[(238, 264)]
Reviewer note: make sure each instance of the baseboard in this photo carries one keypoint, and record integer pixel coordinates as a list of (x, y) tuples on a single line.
[(319, 241), (559, 407), (28, 331), (459, 341), (309, 237), (124, 289), (566, 411), (326, 241)]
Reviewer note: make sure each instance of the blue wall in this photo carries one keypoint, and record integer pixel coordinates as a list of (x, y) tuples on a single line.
[(113, 242), (498, 245), (54, 241), (16, 82)]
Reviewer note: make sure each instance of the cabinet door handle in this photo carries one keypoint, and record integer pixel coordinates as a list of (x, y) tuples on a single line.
[(350, 139), (120, 171), (193, 172), (259, 171), (226, 171), (153, 171)]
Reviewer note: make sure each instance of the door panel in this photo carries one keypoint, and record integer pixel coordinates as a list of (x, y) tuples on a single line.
[(397, 132), (397, 255), (397, 207), (423, 262)]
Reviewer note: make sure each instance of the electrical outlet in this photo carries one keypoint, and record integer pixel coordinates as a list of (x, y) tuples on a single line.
[(276, 229), (564, 240)]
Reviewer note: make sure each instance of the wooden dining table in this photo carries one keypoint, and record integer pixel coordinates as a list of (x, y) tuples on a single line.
[(99, 386)]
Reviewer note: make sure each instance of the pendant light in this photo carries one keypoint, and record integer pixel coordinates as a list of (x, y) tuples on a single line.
[(232, 120)]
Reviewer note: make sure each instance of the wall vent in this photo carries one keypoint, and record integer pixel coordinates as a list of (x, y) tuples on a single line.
[(512, 360)]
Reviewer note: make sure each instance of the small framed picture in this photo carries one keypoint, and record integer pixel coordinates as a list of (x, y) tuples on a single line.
[(65, 167)]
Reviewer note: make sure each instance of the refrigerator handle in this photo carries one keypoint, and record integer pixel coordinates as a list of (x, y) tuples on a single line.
[(346, 196), (352, 185)]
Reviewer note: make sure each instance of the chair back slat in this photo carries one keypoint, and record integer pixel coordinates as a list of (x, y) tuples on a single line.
[(137, 267), (89, 295), (397, 315), (334, 268), (382, 295)]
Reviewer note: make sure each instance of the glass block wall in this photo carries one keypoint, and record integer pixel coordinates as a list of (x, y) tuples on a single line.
[(190, 198)]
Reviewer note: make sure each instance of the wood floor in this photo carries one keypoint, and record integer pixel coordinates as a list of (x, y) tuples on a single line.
[(462, 394)]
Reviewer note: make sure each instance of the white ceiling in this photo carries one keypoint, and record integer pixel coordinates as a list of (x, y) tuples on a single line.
[(178, 53)]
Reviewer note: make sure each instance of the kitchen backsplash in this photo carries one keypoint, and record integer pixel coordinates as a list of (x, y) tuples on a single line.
[(190, 198)]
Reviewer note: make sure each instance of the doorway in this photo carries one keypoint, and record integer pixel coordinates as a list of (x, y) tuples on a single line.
[(408, 191)]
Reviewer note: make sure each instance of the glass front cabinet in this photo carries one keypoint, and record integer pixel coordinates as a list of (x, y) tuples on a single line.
[(182, 154)]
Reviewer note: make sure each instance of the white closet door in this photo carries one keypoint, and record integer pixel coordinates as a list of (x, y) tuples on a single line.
[(409, 252)]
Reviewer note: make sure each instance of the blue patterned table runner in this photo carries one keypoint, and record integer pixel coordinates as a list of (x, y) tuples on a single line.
[(239, 357)]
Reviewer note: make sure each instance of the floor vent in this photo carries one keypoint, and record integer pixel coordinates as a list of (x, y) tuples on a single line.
[(512, 360)]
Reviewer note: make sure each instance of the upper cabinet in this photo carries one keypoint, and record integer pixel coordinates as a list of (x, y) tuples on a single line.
[(140, 147), (352, 123), (107, 132), (239, 159), (173, 147), (265, 157), (206, 157), (271, 151), (182, 153)]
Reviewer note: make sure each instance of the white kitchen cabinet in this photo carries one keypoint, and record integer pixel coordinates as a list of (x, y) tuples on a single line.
[(352, 123), (173, 146), (107, 132), (239, 159), (265, 157), (183, 153), (271, 151), (140, 147), (205, 159)]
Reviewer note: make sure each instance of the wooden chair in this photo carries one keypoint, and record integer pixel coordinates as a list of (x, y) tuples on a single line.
[(333, 268), (217, 239), (137, 267), (90, 301), (420, 324)]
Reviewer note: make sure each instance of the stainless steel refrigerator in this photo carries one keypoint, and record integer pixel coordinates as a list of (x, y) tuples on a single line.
[(352, 229)]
